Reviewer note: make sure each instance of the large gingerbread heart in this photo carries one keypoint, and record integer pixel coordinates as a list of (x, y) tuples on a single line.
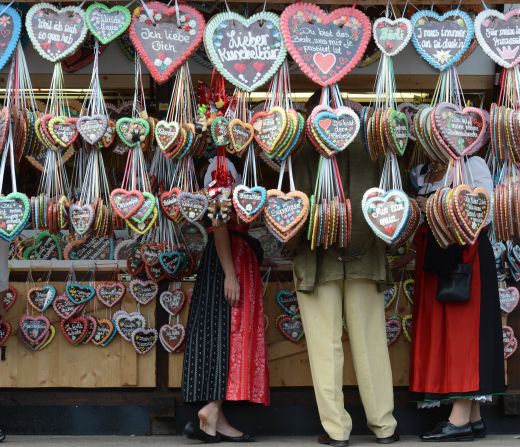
[(79, 293), (105, 23), (337, 128), (126, 323), (63, 130), (269, 127), (172, 336), (192, 206), (110, 292), (166, 134), (391, 36), (325, 46), (40, 298), (55, 32), (499, 35), (249, 201), (65, 308), (442, 40), (35, 329), (143, 291), (471, 209), (247, 52), (387, 214), (15, 210), (92, 127), (74, 329), (144, 339), (172, 302), (81, 217), (165, 37), (169, 205), (290, 327), (286, 210), (463, 131), (126, 203), (9, 33)]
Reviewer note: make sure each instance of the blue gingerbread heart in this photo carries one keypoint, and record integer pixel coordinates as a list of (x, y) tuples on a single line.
[(10, 28)]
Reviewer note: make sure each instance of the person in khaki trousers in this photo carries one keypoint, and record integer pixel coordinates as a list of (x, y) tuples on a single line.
[(332, 284)]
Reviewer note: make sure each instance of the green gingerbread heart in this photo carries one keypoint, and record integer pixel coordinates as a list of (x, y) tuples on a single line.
[(132, 131), (107, 24)]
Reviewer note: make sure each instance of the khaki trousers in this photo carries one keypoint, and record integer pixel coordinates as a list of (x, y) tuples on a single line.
[(321, 312)]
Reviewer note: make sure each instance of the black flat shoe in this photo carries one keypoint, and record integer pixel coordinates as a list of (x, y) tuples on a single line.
[(325, 439), (447, 432), (193, 431), (244, 438), (479, 429), (388, 439)]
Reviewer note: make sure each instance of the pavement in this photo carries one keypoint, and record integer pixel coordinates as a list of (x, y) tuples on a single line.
[(174, 441)]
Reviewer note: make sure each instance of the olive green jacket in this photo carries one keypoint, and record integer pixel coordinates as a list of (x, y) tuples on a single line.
[(364, 257)]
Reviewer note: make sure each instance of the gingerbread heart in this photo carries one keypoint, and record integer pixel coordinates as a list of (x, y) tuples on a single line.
[(92, 127), (91, 329), (126, 323), (63, 130), (144, 339), (241, 134), (79, 293), (15, 210), (143, 291), (110, 292), (169, 205), (65, 308), (35, 329), (107, 23), (172, 302), (165, 37), (390, 295), (392, 36), (100, 248), (5, 326), (132, 131), (81, 217), (290, 327), (126, 203), (472, 209), (249, 201), (192, 206), (9, 34), (150, 252), (105, 331), (55, 32), (325, 46), (166, 134), (407, 327), (246, 51), (40, 298), (10, 297), (74, 329), (336, 128), (510, 341), (409, 290), (498, 35), (269, 128), (172, 336), (393, 329), (286, 210), (288, 302), (509, 298)]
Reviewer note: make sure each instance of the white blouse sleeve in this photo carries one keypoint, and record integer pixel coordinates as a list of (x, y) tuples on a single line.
[(478, 174)]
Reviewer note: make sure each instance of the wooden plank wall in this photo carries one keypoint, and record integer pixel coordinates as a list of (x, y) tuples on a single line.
[(62, 364)]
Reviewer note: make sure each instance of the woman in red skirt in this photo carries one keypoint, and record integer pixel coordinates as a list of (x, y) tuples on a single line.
[(225, 356), (457, 352)]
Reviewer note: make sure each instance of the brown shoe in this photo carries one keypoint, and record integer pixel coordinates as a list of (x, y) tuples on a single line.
[(325, 439)]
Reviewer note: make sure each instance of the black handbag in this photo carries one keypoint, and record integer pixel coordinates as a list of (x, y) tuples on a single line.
[(455, 287)]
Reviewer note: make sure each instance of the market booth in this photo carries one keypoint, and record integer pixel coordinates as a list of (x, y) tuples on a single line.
[(70, 387)]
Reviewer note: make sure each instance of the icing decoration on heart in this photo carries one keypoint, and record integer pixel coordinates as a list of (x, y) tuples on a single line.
[(55, 32), (146, 209), (162, 44), (48, 339), (463, 131), (172, 302), (101, 248), (92, 127), (269, 128), (10, 296), (105, 23), (286, 210), (247, 52), (74, 329), (171, 262), (63, 130), (144, 227), (110, 292), (150, 252), (336, 127), (79, 293), (5, 326), (35, 329), (192, 206), (132, 131), (387, 214), (126, 203), (290, 327), (249, 202), (143, 291), (442, 40), (65, 308), (509, 298), (81, 217), (220, 131), (15, 210), (172, 337), (46, 246), (241, 134), (126, 323), (105, 330), (510, 341), (472, 209), (169, 205), (407, 327), (144, 339), (390, 295), (166, 134), (287, 301), (498, 35), (325, 46), (392, 36), (393, 329), (409, 289), (11, 26), (398, 126), (40, 298)]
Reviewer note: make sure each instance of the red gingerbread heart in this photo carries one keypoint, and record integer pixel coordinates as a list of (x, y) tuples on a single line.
[(74, 329)]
